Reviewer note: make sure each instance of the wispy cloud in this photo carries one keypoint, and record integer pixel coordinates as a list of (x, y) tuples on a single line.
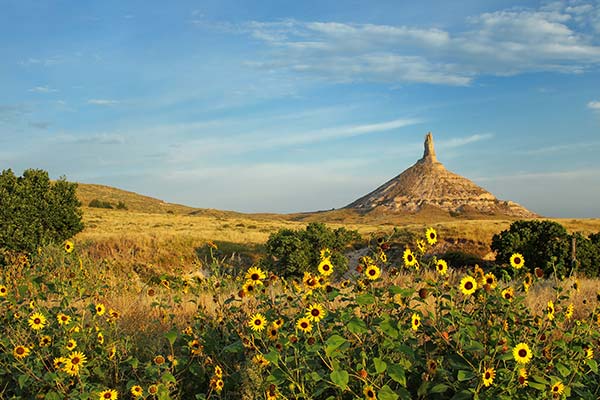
[(98, 138), (587, 146), (506, 42), (572, 174), (103, 102), (262, 140), (462, 141), (594, 105), (43, 89)]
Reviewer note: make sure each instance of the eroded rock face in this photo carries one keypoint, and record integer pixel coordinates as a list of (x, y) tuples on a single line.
[(428, 182)]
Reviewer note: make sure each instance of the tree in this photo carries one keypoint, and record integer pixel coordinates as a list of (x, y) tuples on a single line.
[(292, 252), (35, 211), (543, 244)]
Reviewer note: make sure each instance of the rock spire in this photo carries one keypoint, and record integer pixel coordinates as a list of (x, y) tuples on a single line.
[(429, 183)]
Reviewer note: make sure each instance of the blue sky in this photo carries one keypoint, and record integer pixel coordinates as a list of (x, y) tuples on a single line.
[(284, 106)]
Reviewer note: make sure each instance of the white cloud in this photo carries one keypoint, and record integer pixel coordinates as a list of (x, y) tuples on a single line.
[(43, 89), (505, 42), (462, 141), (103, 102), (594, 105)]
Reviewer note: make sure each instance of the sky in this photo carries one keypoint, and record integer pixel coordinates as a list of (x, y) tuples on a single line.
[(287, 106)]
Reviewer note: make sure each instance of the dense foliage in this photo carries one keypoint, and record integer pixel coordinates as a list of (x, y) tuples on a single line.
[(292, 252), (548, 246), (35, 211), (431, 332)]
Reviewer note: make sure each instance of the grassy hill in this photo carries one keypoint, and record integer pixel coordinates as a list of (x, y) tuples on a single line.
[(153, 231)]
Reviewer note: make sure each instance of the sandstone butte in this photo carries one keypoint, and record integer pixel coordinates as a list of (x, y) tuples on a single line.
[(429, 184)]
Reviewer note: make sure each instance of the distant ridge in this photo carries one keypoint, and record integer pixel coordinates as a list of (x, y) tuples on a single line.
[(429, 184)]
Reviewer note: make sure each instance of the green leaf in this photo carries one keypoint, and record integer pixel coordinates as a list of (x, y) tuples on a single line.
[(272, 356), (462, 395), (439, 388), (538, 386), (22, 379), (52, 396), (389, 329), (168, 377), (540, 379), (593, 365), (386, 393), (563, 370), (333, 343), (364, 299), (465, 375), (396, 372), (357, 326), (474, 346), (171, 336), (380, 365), (340, 378)]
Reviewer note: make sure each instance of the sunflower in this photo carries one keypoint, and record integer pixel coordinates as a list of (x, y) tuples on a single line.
[(153, 389), (45, 341), (508, 294), (272, 332), (372, 272), (257, 322), (59, 362), (100, 338), (442, 267), (278, 323), (315, 312), (255, 274), (522, 353), (68, 246), (415, 321), (71, 344), (304, 325), (550, 310), (63, 319), (310, 281), (114, 314), (431, 236), (100, 309), (250, 287), (522, 377), (517, 261), (557, 388), (490, 281), (325, 254), (37, 321), (217, 384), (75, 361), (589, 352), (468, 285), (195, 347), (260, 360), (109, 394), (488, 377), (409, 258), (137, 391), (325, 268), (3, 291), (21, 352), (369, 393), (218, 371), (421, 245), (159, 360)]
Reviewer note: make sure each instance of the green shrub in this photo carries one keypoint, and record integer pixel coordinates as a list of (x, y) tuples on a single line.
[(543, 244), (100, 204), (36, 211), (121, 206), (292, 252), (587, 254)]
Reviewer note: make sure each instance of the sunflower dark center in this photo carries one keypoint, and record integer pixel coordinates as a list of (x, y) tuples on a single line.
[(75, 360), (409, 258), (326, 267), (107, 395), (257, 322), (372, 272), (20, 350), (254, 276), (304, 324), (487, 375), (370, 393), (468, 285), (517, 260), (432, 235), (522, 353), (315, 312)]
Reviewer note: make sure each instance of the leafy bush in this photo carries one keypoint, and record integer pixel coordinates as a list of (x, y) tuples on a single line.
[(543, 244), (588, 254), (36, 211), (100, 204), (121, 205), (292, 252)]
